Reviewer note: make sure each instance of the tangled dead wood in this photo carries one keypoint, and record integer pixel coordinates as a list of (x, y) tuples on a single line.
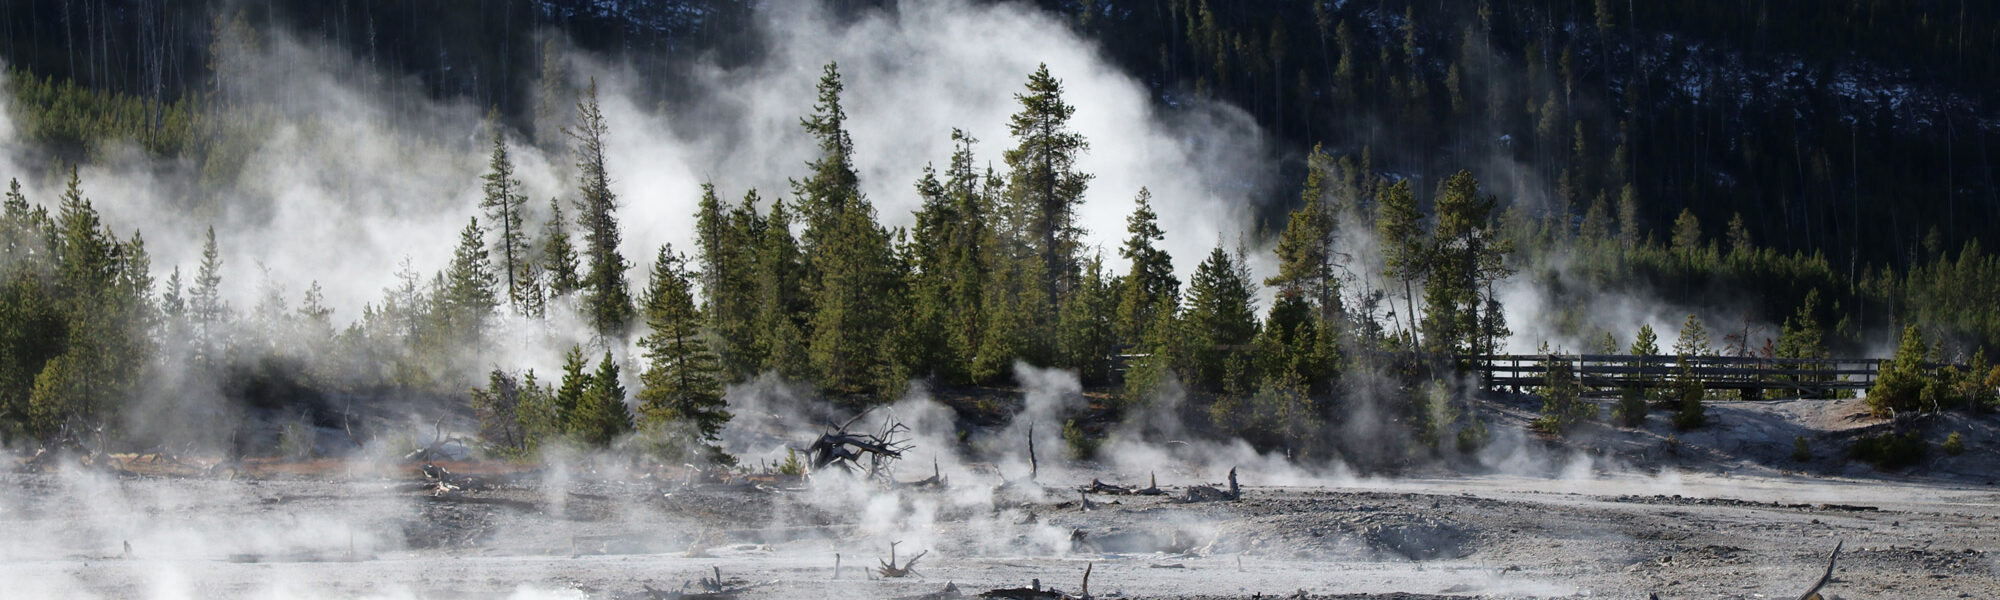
[(715, 588), (890, 569), (1205, 493), (869, 453)]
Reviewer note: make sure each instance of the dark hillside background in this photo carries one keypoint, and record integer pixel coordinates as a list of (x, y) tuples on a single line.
[(1864, 130)]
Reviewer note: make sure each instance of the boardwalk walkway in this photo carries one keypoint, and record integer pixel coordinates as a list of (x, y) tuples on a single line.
[(1607, 372)]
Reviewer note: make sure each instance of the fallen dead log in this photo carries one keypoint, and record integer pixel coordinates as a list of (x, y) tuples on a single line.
[(936, 480), (1108, 489), (950, 592), (1205, 493), (1034, 591), (1813, 594)]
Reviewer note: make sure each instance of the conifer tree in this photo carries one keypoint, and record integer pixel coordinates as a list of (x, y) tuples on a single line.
[(969, 264), (1405, 249), (602, 415), (606, 302), (470, 296), (1043, 188), (497, 407), (1221, 318), (1305, 249), (558, 255), (1596, 227), (681, 385), (535, 413), (726, 248), (568, 400), (1629, 231), (849, 255), (205, 306), (1150, 286), (780, 297), (1687, 234), (927, 329), (1087, 324), (503, 205)]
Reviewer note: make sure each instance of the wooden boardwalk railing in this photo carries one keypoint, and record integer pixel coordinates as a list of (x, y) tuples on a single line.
[(1605, 372)]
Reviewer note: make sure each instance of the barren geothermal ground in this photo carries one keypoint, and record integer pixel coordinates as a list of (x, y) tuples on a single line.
[(1601, 519)]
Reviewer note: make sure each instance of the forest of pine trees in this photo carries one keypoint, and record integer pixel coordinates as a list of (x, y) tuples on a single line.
[(809, 285)]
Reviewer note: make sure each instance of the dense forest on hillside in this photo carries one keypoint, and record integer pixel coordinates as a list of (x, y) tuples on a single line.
[(1432, 185)]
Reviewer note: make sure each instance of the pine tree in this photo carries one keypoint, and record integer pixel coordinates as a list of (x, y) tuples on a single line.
[(1629, 231), (1043, 188), (602, 415), (1739, 236), (1596, 227), (726, 248), (1086, 325), (780, 297), (849, 268), (968, 262), (503, 205), (606, 302), (470, 296), (680, 387), (497, 406), (1466, 257), (1405, 252), (568, 401), (558, 256), (932, 254), (1305, 249), (205, 306), (1150, 286), (536, 414), (1687, 234), (1221, 318)]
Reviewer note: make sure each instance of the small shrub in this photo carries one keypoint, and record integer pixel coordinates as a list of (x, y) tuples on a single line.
[(1473, 436), (1563, 405), (1888, 450), (1688, 410), (1801, 451), (1082, 445), (295, 440), (793, 466), (1954, 444), (1631, 408), (1673, 444), (1902, 381)]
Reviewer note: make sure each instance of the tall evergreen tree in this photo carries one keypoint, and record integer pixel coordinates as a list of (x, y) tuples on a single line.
[(503, 205), (726, 242), (1221, 318), (606, 301), (1405, 247), (470, 287), (1465, 256), (1150, 286), (848, 254), (681, 387), (1305, 249), (781, 298), (1044, 188), (558, 255), (205, 306), (1087, 324)]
